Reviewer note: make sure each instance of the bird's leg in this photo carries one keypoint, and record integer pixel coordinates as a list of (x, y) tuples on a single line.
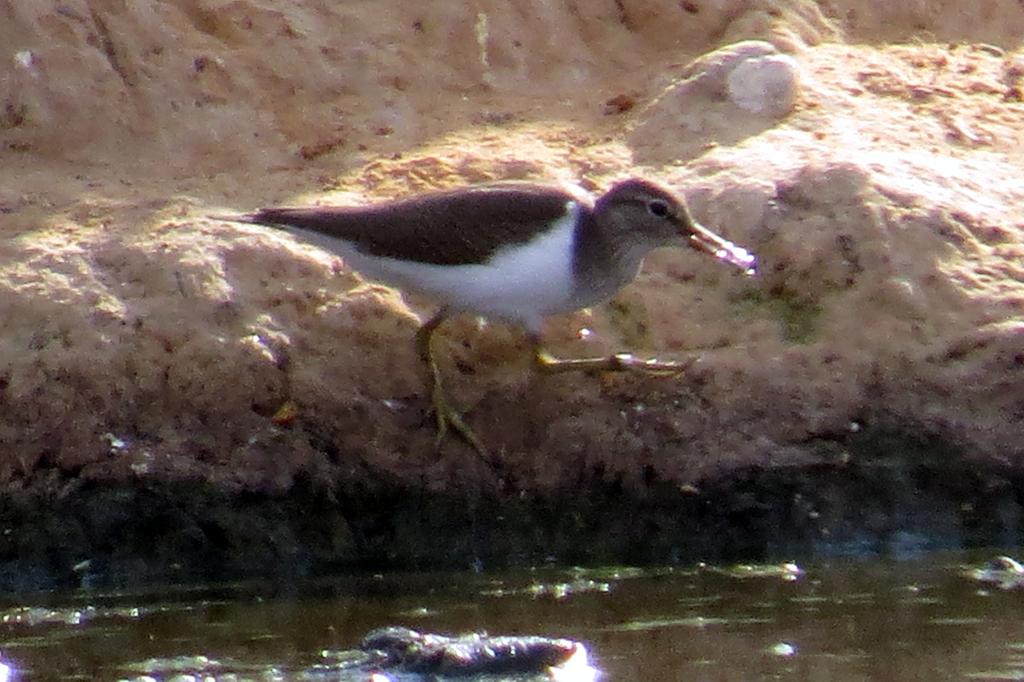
[(619, 362), (444, 413)]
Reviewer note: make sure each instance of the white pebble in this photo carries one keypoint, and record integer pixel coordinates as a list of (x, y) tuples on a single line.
[(783, 649), (25, 59), (765, 85)]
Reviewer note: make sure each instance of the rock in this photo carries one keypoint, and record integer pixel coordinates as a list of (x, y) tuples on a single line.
[(405, 650), (750, 75), (709, 74), (1004, 572), (765, 85)]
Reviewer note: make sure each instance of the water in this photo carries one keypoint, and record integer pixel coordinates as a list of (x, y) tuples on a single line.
[(850, 620)]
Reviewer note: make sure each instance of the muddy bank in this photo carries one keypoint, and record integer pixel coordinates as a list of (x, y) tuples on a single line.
[(874, 493), (869, 157)]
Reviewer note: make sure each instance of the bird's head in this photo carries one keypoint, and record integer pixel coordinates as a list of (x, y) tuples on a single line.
[(648, 216)]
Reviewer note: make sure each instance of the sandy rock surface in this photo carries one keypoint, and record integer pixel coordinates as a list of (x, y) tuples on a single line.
[(873, 163)]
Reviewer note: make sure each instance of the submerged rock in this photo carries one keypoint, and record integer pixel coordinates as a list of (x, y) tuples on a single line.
[(1002, 571), (407, 650)]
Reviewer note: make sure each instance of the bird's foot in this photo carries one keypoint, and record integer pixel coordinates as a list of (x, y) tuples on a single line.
[(448, 417), (620, 362)]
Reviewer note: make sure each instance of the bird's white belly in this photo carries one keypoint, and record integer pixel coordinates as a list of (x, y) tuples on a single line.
[(521, 283)]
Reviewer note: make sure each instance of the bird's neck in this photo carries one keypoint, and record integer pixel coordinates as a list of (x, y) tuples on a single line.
[(603, 263)]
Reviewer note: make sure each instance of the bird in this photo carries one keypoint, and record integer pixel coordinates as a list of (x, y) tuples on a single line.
[(512, 251)]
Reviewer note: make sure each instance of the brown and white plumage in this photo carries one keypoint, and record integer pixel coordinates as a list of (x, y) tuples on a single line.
[(514, 251)]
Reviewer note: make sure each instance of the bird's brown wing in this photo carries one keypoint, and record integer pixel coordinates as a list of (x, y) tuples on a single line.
[(456, 227)]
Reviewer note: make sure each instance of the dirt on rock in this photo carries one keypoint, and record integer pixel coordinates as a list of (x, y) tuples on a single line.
[(271, 402)]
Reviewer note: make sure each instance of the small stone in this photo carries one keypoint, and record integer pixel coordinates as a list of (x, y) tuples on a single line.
[(783, 649), (619, 104), (765, 85), (711, 71), (25, 59)]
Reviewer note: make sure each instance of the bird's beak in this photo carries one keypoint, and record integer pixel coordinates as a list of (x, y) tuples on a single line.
[(703, 239)]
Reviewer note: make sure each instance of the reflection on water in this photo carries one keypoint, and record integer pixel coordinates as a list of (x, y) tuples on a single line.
[(925, 619)]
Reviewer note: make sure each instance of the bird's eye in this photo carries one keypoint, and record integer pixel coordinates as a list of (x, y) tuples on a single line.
[(657, 207)]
